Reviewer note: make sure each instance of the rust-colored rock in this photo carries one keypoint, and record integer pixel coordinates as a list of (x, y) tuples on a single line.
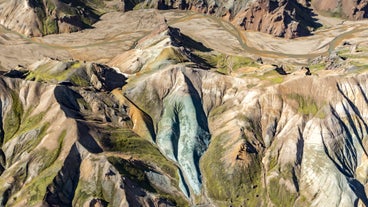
[(351, 9), (288, 19)]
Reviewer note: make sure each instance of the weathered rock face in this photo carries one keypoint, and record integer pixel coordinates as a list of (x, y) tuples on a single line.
[(57, 149), (354, 10), (287, 19), (183, 132), (281, 142), (172, 122), (38, 17), (35, 18), (284, 141), (281, 18)]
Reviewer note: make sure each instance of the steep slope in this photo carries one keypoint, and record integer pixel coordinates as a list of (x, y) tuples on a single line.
[(164, 46), (284, 141), (93, 156), (288, 19), (354, 10), (244, 142), (42, 17), (172, 122)]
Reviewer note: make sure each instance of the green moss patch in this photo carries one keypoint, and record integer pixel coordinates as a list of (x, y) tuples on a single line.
[(12, 119), (227, 63), (318, 66), (307, 105), (127, 142), (272, 76), (53, 72), (278, 194), (238, 185)]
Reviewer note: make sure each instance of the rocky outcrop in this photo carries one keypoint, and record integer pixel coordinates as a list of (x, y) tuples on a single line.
[(164, 46), (290, 142), (172, 122), (354, 10), (287, 19), (280, 18), (39, 17), (84, 162)]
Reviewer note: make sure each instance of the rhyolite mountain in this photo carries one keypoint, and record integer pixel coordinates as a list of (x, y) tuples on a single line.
[(281, 18), (355, 9), (42, 17), (168, 117)]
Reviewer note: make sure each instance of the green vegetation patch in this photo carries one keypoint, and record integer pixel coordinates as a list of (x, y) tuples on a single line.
[(54, 72), (36, 189), (227, 63), (136, 171), (12, 119), (133, 170), (50, 26), (307, 105), (236, 186), (127, 142), (317, 66), (141, 5), (168, 55), (278, 194), (53, 154), (273, 76)]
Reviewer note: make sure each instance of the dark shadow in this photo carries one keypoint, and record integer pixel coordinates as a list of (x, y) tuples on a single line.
[(249, 148), (1, 124), (82, 16), (181, 39), (146, 119), (175, 132), (303, 15), (98, 202), (197, 102), (354, 128), (359, 190), (185, 185), (280, 69), (299, 147), (130, 4), (6, 195), (299, 158), (86, 140), (135, 181), (352, 105), (343, 168), (62, 189), (67, 99), (363, 93), (357, 112), (346, 173), (109, 77), (187, 45), (22, 74), (2, 155)]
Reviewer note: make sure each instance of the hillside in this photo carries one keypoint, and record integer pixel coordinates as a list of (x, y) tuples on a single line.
[(183, 105)]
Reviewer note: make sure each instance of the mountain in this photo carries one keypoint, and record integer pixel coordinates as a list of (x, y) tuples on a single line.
[(176, 108), (281, 18), (41, 17), (355, 10)]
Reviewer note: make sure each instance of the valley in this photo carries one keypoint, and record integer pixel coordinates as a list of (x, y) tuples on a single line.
[(190, 105)]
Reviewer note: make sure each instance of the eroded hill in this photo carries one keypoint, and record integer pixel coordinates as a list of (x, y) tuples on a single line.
[(177, 108)]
